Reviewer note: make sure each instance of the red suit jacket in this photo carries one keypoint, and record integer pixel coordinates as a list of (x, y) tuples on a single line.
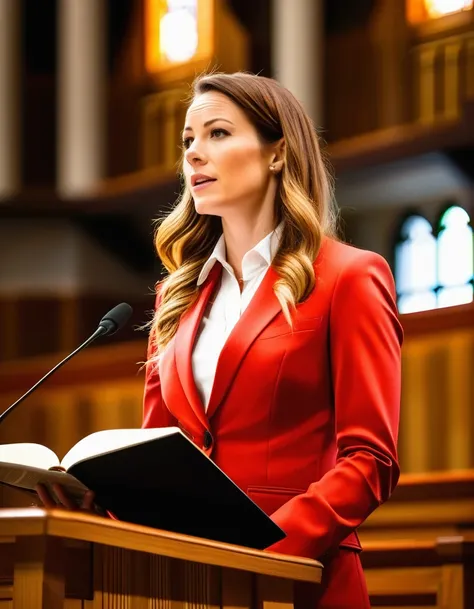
[(304, 420)]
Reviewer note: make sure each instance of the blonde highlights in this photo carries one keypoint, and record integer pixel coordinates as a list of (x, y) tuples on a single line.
[(184, 239)]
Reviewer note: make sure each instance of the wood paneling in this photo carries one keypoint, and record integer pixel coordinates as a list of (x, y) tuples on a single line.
[(423, 508), (39, 329), (436, 574), (395, 90), (49, 324), (437, 421), (367, 70), (101, 364)]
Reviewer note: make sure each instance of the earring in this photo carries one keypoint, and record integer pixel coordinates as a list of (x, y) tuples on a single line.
[(272, 168)]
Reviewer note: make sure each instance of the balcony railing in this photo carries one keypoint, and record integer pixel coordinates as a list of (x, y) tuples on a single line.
[(443, 77)]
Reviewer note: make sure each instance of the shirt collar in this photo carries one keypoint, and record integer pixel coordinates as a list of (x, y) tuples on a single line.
[(256, 259)]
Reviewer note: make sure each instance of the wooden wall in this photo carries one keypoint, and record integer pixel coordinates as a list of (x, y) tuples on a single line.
[(48, 324), (382, 72), (437, 423), (437, 420)]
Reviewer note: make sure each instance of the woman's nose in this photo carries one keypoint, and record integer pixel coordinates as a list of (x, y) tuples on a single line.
[(193, 155)]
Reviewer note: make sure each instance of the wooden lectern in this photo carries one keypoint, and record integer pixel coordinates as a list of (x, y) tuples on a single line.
[(58, 559)]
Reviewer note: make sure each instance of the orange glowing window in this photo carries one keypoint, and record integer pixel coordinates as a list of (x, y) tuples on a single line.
[(439, 8), (435, 269), (424, 10), (171, 32)]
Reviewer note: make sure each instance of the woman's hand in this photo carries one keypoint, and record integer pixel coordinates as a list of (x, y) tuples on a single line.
[(66, 502)]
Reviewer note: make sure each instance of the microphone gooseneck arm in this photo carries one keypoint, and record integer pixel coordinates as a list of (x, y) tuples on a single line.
[(115, 319), (99, 332)]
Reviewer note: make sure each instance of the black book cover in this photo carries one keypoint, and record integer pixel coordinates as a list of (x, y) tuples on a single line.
[(168, 483)]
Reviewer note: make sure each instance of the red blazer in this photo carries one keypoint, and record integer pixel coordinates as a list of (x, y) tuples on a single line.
[(305, 420)]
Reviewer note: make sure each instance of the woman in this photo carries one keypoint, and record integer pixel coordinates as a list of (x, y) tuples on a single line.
[(274, 346)]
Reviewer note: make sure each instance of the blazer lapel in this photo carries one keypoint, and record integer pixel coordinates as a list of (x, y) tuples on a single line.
[(263, 307), (184, 342)]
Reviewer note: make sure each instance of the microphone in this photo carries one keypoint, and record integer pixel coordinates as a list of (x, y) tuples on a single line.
[(114, 320)]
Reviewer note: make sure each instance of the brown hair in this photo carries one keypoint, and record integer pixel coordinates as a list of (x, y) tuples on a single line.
[(184, 239)]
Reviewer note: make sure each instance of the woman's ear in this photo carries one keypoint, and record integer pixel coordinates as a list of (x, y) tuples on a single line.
[(278, 156)]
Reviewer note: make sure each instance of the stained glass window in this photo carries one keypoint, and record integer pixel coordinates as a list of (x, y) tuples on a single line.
[(433, 272), (415, 266), (455, 258)]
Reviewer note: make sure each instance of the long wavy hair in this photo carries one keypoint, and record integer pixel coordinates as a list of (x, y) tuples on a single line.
[(184, 239)]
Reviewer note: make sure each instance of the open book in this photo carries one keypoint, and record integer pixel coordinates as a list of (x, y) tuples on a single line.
[(155, 477)]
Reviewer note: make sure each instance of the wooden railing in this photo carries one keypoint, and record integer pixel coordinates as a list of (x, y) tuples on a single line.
[(436, 574), (419, 546), (163, 115), (414, 90), (443, 77), (424, 507)]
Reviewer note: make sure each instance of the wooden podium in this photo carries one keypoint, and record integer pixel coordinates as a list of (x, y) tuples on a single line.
[(58, 559)]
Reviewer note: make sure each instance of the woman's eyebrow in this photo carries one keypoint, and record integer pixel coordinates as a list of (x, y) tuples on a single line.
[(209, 122)]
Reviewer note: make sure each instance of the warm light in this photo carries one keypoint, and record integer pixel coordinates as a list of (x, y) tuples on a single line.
[(178, 31), (439, 8), (172, 32)]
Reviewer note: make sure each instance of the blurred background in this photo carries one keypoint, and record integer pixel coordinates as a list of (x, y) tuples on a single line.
[(91, 108)]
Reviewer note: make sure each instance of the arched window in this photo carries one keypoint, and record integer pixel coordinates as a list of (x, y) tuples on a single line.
[(433, 272), (455, 258), (415, 266)]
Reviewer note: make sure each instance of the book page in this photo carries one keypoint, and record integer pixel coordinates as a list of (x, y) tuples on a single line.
[(27, 477), (35, 455), (106, 441)]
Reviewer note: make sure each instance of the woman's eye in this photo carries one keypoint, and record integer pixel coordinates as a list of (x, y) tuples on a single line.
[(219, 133), (187, 142)]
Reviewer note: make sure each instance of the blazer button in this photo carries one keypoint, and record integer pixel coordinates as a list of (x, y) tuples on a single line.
[(207, 439)]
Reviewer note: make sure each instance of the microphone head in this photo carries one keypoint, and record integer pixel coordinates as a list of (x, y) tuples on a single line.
[(116, 318)]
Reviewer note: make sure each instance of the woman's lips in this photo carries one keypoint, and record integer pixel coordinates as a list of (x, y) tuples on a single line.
[(203, 185)]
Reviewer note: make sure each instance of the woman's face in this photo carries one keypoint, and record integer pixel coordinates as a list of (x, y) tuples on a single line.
[(226, 166)]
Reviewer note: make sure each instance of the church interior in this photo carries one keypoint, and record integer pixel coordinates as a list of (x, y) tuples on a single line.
[(91, 109)]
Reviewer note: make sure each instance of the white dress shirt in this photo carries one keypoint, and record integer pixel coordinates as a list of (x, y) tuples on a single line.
[(229, 303)]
